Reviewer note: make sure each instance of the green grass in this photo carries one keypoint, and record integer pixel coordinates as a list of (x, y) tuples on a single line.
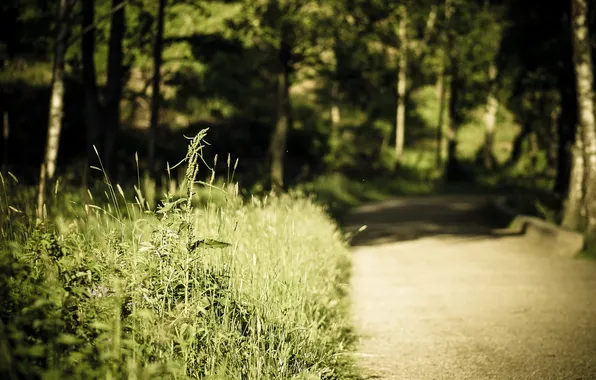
[(193, 289)]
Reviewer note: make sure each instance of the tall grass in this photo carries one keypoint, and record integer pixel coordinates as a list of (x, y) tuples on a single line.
[(193, 289)]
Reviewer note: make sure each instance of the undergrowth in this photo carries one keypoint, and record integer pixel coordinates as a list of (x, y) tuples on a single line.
[(190, 289)]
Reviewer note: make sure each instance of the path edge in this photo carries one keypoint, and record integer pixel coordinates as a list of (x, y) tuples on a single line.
[(556, 240)]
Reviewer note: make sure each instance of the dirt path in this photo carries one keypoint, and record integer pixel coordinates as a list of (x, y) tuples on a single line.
[(442, 295)]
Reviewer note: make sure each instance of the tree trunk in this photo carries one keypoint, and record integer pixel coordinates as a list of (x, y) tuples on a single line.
[(445, 42), (5, 137), (277, 149), (92, 107), (335, 114), (492, 105), (48, 166), (335, 119), (454, 170), (553, 146), (442, 85), (582, 58), (533, 149), (400, 122), (572, 212), (114, 84), (421, 47), (156, 96)]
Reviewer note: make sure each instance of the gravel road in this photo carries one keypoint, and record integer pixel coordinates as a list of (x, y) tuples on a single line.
[(439, 293)]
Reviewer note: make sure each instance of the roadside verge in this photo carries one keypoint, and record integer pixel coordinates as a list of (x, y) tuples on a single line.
[(552, 239)]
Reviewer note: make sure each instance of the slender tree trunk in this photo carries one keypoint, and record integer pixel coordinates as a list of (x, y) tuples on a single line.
[(114, 84), (442, 85), (156, 98), (400, 122), (582, 58), (533, 149), (421, 47), (277, 149), (553, 147), (335, 114), (335, 119), (93, 117), (490, 120), (48, 166), (5, 142), (564, 153), (453, 171)]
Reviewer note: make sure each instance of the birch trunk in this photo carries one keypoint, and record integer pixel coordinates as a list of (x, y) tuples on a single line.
[(400, 122), (442, 90), (48, 166), (585, 98), (490, 119), (156, 96), (572, 213)]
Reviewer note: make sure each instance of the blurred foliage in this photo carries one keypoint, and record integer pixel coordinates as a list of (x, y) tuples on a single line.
[(219, 70)]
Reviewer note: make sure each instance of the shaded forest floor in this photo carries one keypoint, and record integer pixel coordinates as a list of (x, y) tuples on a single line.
[(340, 194)]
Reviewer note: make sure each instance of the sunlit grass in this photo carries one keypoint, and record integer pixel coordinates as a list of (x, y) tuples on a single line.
[(191, 289)]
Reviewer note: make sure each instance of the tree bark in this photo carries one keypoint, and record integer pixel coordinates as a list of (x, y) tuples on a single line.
[(421, 47), (553, 145), (114, 84), (492, 105), (277, 148), (572, 212), (335, 119), (442, 84), (48, 166), (156, 96), (400, 120), (582, 58), (533, 149), (454, 170), (5, 142), (335, 113), (93, 118)]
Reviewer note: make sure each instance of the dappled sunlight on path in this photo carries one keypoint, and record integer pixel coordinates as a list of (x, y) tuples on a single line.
[(464, 301)]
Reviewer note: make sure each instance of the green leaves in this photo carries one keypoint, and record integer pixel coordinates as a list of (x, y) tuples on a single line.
[(208, 243), (170, 206), (68, 339)]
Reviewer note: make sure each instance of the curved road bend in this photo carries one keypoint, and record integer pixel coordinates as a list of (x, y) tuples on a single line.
[(440, 294)]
